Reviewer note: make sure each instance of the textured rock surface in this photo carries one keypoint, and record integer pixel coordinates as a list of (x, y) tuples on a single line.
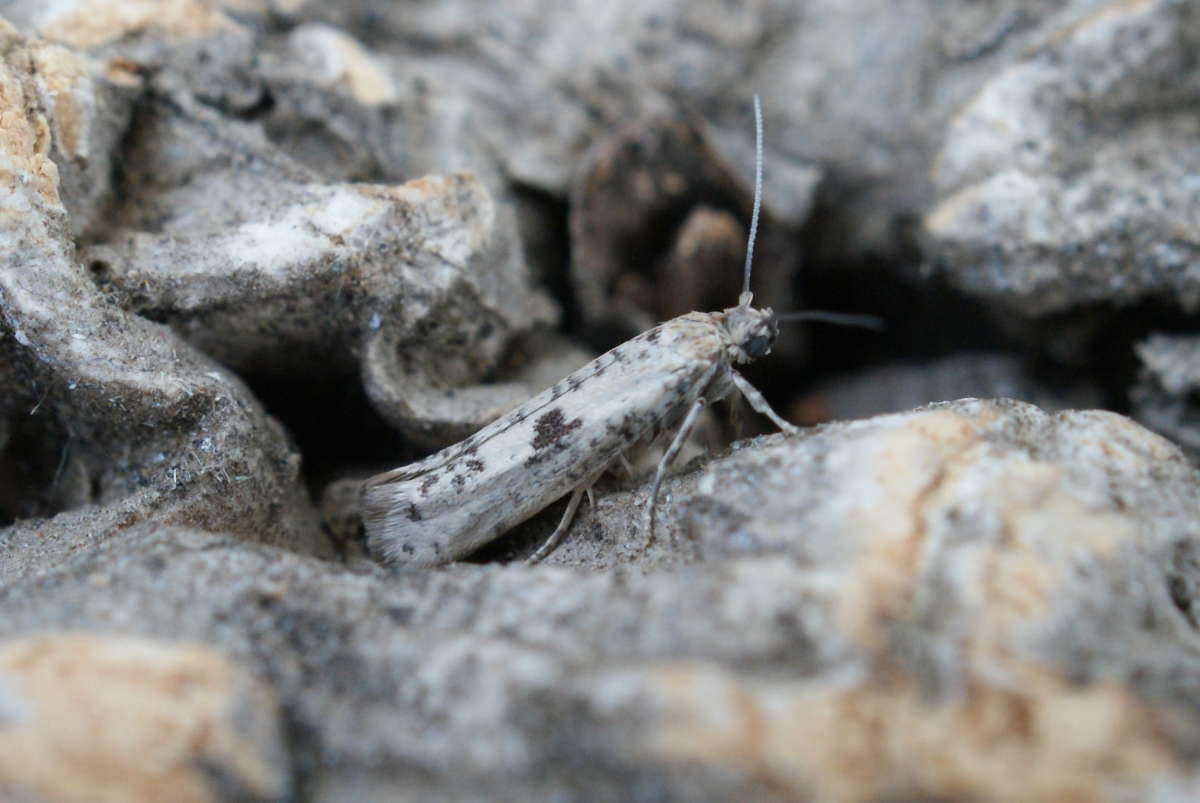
[(120, 718), (251, 249), (1165, 397), (971, 601), (133, 418), (1071, 176)]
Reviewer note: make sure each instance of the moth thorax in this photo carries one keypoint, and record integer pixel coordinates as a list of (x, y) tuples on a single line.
[(751, 331)]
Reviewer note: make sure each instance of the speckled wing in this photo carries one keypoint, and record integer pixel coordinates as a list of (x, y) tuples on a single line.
[(451, 503)]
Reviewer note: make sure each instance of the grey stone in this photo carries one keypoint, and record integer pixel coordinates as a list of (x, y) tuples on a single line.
[(145, 426), (976, 600), (1069, 178), (1164, 398), (970, 597)]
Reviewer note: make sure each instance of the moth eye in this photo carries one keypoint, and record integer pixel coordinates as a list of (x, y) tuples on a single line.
[(757, 346)]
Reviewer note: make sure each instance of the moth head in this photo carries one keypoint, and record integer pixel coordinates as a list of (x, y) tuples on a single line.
[(751, 332)]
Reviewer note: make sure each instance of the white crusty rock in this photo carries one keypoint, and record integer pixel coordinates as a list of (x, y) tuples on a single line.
[(254, 240), (1068, 179)]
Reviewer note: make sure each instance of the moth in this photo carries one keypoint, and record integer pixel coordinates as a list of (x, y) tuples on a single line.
[(562, 440)]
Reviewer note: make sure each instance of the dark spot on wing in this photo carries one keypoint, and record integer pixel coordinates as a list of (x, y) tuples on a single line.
[(550, 429), (652, 335), (459, 480), (407, 549), (476, 465), (574, 381), (437, 548), (413, 513), (428, 483)]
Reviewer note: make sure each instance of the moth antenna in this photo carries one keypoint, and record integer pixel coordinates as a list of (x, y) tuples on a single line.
[(839, 318), (746, 297)]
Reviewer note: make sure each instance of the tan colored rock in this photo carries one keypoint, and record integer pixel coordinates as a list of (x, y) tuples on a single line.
[(63, 118), (25, 137), (95, 718), (340, 61), (1042, 739), (91, 23), (971, 553)]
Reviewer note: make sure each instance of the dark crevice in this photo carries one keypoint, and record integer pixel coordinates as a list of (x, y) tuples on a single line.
[(30, 468), (642, 250), (928, 318), (262, 106), (542, 220), (332, 424), (1109, 356)]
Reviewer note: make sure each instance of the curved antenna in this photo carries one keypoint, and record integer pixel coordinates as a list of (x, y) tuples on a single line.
[(747, 296)]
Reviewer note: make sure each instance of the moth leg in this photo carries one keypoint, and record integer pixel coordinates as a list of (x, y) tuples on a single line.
[(625, 464), (591, 498), (760, 405), (737, 416), (568, 515), (685, 429)]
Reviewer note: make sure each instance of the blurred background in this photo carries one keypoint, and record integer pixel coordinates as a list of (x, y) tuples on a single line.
[(1012, 185)]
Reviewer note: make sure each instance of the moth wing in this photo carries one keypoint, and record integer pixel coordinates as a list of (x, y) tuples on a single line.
[(410, 472)]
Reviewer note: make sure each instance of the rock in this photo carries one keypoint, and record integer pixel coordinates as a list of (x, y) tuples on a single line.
[(1069, 177), (130, 40), (88, 108), (1164, 398), (975, 600), (126, 719), (554, 78), (416, 290), (1008, 563), (256, 249), (894, 387), (140, 425)]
